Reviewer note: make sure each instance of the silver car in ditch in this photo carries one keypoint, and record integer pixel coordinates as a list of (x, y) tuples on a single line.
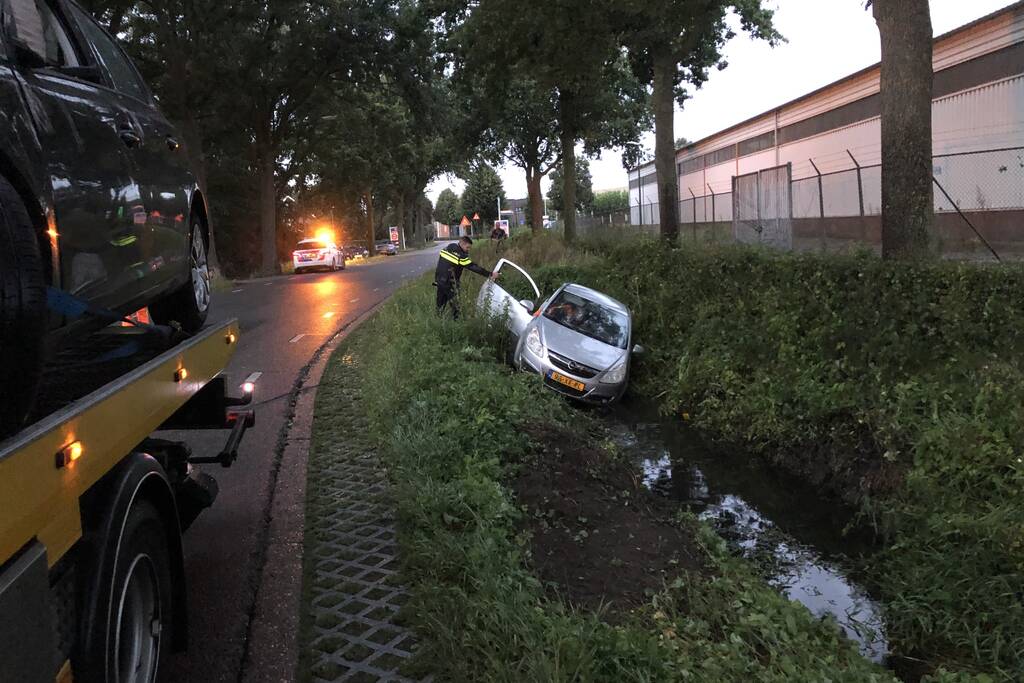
[(579, 340)]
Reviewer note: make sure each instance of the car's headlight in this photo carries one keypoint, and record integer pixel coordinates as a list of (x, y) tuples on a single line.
[(616, 374), (534, 344)]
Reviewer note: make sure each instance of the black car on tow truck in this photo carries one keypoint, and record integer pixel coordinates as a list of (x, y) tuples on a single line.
[(96, 196)]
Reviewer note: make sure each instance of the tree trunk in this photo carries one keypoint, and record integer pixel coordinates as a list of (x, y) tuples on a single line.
[(567, 138), (370, 245), (663, 98), (268, 211), (533, 178), (908, 209)]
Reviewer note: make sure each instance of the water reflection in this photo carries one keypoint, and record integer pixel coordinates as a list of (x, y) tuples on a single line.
[(793, 535)]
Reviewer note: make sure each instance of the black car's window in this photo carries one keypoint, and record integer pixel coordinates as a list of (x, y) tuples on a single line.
[(589, 318), (59, 49), (121, 71)]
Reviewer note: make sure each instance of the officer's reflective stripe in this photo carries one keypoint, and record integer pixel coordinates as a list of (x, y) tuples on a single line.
[(465, 261), (448, 256)]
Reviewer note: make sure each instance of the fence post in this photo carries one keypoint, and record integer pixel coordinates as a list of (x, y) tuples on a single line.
[(821, 194), (694, 199), (860, 185)]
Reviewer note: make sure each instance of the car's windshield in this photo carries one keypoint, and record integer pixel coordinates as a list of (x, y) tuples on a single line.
[(310, 244), (589, 318)]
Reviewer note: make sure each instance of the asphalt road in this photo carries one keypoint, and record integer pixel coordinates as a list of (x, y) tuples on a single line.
[(284, 320)]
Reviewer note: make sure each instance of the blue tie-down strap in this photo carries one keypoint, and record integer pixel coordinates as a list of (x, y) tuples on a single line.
[(73, 307)]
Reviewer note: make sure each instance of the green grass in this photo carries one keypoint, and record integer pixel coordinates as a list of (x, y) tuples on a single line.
[(433, 400), (900, 385)]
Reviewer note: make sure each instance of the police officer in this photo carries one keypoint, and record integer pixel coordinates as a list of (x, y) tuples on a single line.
[(450, 263)]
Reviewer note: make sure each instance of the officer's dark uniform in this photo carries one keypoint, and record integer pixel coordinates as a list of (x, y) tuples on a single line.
[(449, 271)]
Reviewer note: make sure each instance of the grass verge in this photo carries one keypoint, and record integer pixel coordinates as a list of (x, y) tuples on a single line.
[(456, 428), (900, 386)]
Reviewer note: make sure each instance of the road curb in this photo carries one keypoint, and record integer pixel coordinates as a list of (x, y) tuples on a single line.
[(272, 645)]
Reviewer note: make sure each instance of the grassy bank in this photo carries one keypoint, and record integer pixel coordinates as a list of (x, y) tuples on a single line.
[(457, 431), (900, 386)]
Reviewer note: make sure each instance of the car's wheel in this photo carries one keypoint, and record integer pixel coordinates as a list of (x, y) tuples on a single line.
[(298, 271), (132, 624), (22, 310), (189, 304)]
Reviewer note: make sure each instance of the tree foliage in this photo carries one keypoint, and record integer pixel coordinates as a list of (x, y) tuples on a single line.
[(448, 209), (584, 189), (483, 189), (611, 200)]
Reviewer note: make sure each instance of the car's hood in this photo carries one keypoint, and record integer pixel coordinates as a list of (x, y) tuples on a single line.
[(578, 347)]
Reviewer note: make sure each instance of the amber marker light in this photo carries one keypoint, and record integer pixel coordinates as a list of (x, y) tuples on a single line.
[(180, 374), (69, 454), (230, 338)]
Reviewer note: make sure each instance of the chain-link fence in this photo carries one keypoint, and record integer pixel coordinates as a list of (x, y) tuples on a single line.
[(979, 208)]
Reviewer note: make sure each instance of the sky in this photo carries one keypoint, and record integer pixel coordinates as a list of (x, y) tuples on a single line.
[(827, 40)]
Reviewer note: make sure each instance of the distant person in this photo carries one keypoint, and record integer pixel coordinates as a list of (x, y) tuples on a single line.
[(448, 274)]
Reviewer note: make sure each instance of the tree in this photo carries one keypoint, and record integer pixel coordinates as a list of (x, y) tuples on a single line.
[(611, 200), (584, 189), (574, 55), (905, 30), (672, 42), (483, 189), (448, 209)]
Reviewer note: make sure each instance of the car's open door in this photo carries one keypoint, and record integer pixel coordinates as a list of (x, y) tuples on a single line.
[(498, 300)]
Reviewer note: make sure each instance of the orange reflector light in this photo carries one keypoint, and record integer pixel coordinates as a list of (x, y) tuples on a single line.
[(249, 387), (180, 374), (69, 454), (231, 338)]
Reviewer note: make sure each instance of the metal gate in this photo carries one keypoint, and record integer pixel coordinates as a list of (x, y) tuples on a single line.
[(762, 207)]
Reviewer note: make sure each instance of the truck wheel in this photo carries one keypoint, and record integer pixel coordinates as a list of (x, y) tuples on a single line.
[(189, 304), (22, 310), (131, 638)]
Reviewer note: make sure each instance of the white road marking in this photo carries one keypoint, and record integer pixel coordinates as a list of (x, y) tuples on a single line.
[(252, 378), (296, 338), (235, 291), (376, 289), (268, 283), (354, 301)]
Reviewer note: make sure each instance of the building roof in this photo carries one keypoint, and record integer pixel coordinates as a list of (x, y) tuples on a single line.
[(1009, 9)]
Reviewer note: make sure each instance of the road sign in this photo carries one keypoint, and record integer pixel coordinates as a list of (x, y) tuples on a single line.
[(465, 222), (394, 234), (476, 216)]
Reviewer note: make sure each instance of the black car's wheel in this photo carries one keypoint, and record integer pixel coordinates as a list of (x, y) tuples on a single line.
[(133, 615), (22, 310), (189, 304)]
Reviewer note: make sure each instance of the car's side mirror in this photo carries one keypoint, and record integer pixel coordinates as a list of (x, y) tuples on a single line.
[(639, 350), (24, 29), (527, 304)]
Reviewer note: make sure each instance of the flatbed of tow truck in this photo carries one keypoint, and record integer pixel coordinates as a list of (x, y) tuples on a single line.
[(88, 496)]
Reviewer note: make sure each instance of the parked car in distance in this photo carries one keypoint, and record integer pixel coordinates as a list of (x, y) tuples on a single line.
[(96, 195), (387, 248), (579, 340), (355, 253), (315, 253)]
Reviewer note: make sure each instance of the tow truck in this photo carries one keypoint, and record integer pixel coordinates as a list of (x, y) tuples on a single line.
[(93, 503)]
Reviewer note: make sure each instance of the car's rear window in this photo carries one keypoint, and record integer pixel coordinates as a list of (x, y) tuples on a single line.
[(589, 318), (312, 245)]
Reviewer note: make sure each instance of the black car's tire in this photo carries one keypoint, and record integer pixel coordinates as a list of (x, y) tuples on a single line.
[(133, 621), (189, 304), (22, 310)]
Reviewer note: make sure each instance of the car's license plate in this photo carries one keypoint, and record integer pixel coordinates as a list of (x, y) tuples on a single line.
[(567, 381), (303, 257)]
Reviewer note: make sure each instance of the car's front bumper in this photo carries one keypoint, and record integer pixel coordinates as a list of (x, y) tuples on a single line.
[(594, 390)]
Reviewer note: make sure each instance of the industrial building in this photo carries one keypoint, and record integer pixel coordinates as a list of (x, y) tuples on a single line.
[(806, 174)]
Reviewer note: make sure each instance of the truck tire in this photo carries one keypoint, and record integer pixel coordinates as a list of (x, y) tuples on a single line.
[(189, 304), (130, 641), (22, 310)]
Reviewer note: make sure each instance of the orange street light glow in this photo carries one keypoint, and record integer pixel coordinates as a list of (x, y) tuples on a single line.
[(325, 235)]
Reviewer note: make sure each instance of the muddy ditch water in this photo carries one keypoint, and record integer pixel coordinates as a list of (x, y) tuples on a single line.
[(796, 537)]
